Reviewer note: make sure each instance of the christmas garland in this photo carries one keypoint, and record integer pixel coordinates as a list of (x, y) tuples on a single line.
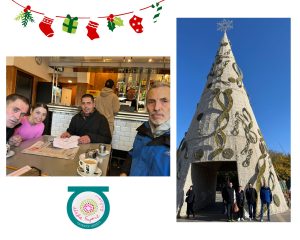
[(70, 23)]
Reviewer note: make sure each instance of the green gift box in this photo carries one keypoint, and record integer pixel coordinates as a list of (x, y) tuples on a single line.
[(70, 24)]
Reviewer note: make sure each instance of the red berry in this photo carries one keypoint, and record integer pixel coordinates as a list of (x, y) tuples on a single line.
[(110, 17), (27, 9)]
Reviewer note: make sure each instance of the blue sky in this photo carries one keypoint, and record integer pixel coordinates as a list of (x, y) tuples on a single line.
[(262, 50)]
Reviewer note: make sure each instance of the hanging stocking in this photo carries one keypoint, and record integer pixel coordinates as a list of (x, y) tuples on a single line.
[(45, 26), (92, 30), (136, 23)]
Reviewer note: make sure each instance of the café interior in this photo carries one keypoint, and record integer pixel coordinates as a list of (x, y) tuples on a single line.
[(60, 82)]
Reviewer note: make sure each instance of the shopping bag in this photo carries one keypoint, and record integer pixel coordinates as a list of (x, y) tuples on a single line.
[(235, 208)]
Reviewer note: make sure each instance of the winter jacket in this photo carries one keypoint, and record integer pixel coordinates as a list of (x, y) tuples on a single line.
[(95, 126), (150, 156), (108, 105), (229, 195), (265, 195), (190, 196), (251, 195), (240, 198)]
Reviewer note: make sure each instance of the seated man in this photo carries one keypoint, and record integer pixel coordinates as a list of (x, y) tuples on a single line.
[(16, 107), (89, 124), (150, 155)]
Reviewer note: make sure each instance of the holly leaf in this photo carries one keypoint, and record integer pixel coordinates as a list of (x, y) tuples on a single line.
[(118, 21), (20, 16), (111, 26)]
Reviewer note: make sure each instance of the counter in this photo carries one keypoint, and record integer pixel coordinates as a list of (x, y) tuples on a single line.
[(126, 124)]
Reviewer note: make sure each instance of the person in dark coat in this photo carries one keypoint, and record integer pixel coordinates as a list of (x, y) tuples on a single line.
[(190, 199), (251, 196), (240, 200), (229, 200), (223, 197), (266, 199), (89, 124)]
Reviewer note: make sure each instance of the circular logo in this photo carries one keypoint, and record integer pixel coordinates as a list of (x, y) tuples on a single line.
[(88, 207)]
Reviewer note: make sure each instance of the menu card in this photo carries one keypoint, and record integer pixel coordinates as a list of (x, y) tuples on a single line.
[(66, 143), (25, 171), (46, 149)]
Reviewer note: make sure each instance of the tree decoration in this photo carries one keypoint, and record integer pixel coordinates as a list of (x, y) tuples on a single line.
[(25, 16), (113, 21), (158, 9), (225, 25), (198, 154), (222, 122), (227, 153)]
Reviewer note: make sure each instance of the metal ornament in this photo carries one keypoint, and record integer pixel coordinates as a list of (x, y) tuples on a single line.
[(224, 25)]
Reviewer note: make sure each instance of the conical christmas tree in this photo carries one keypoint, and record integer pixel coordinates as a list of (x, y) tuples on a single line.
[(224, 135)]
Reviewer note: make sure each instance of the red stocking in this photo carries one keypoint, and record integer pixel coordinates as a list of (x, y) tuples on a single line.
[(45, 26), (136, 23), (92, 30)]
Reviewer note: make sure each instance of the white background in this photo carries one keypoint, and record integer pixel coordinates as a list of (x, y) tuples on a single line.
[(141, 208)]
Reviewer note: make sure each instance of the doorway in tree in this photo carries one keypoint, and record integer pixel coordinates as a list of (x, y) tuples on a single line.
[(208, 179)]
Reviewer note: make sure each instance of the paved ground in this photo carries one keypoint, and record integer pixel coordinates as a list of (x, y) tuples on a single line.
[(215, 214), (212, 216)]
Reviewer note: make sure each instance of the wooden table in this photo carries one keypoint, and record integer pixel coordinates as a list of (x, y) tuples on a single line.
[(52, 166)]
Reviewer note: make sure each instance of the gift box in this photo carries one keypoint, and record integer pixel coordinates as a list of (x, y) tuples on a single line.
[(70, 24)]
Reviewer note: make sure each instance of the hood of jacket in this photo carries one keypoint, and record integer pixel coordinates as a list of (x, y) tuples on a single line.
[(106, 91)]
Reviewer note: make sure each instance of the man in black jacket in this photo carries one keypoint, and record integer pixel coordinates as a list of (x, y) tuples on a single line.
[(89, 124), (229, 200), (251, 196)]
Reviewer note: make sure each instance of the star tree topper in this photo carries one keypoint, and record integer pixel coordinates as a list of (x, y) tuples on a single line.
[(225, 25)]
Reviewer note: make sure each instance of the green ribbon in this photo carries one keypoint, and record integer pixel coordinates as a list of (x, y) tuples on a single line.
[(239, 79), (219, 135)]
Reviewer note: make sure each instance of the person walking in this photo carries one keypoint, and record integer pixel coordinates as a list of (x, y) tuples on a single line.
[(266, 199), (240, 199), (190, 199)]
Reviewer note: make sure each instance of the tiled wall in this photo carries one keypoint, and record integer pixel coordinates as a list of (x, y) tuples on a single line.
[(123, 136), (60, 122)]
